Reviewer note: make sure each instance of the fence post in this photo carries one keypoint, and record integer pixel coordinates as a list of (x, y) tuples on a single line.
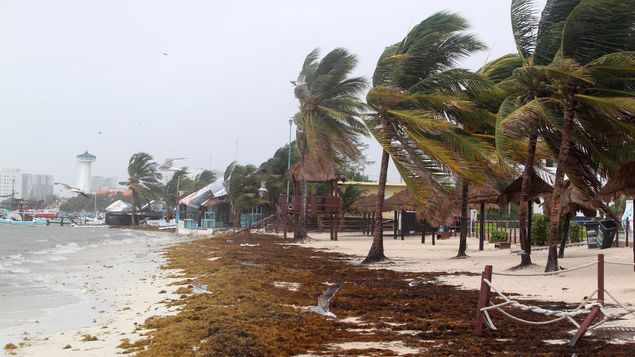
[(483, 300), (595, 311)]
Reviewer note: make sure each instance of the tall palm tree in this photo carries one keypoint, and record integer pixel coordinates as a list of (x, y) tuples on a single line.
[(328, 123), (143, 181), (403, 73), (580, 72)]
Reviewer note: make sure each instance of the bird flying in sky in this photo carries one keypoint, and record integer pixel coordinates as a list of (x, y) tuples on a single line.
[(72, 189)]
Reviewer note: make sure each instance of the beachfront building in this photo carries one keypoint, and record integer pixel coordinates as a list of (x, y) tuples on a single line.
[(37, 187), (83, 171), (10, 183)]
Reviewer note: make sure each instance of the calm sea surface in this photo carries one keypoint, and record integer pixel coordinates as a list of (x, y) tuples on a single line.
[(55, 278)]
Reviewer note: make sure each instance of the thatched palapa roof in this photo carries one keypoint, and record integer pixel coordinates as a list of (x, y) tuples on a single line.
[(365, 204), (539, 187), (314, 171), (402, 200), (573, 200), (623, 183), (482, 194)]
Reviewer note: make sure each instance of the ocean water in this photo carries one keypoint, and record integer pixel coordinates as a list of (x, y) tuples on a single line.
[(56, 278)]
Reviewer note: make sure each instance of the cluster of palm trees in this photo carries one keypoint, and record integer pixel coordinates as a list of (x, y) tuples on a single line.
[(144, 182), (568, 94)]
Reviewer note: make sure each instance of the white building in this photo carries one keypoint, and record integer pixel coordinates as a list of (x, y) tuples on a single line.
[(83, 171), (10, 182), (37, 187), (100, 182)]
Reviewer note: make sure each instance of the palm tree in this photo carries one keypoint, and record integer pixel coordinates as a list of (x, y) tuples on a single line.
[(204, 178), (328, 121), (580, 72), (241, 183), (404, 103), (179, 182), (143, 181)]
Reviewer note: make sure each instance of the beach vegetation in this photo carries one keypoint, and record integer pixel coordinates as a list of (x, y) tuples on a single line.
[(498, 236), (539, 229)]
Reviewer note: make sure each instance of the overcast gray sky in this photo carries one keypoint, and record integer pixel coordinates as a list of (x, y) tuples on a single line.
[(72, 68)]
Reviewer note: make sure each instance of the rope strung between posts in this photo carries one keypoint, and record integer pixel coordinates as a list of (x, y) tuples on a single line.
[(583, 308), (619, 263), (612, 316), (548, 273)]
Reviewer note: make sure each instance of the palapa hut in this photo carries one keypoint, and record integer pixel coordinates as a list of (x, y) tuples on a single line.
[(366, 206), (401, 201), (572, 200), (512, 193), (483, 195), (622, 183), (439, 209), (309, 170)]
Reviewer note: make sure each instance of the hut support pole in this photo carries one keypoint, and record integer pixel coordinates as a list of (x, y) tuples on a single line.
[(433, 241), (401, 223), (395, 225), (423, 232), (482, 228)]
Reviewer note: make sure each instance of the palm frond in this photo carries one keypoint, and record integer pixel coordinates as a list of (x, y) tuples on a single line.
[(525, 28)]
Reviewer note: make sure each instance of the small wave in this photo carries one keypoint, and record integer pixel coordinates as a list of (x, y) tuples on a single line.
[(60, 249)]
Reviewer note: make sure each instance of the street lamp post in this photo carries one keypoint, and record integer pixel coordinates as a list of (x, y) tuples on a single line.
[(289, 158)]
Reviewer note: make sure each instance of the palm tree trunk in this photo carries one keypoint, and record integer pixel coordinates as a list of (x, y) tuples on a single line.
[(564, 231), (465, 186), (300, 229), (135, 208), (552, 259), (376, 252), (523, 214)]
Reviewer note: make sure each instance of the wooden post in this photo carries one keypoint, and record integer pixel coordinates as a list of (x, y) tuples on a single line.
[(601, 278), (433, 238), (423, 232), (483, 300), (395, 226), (482, 228), (595, 311), (402, 227)]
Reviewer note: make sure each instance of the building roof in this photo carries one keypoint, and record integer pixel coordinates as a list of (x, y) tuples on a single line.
[(86, 155)]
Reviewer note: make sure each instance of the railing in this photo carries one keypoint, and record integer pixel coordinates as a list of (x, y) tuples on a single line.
[(315, 205)]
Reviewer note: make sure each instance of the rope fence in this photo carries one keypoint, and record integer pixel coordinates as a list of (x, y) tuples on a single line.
[(592, 310)]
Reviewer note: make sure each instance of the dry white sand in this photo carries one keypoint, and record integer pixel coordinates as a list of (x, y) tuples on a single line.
[(572, 287), (128, 284)]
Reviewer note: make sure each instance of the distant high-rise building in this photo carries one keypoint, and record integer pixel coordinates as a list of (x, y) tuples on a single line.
[(37, 187), (100, 183), (10, 182), (83, 171)]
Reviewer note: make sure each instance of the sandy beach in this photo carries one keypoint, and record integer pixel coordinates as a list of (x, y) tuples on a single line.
[(410, 255), (116, 287)]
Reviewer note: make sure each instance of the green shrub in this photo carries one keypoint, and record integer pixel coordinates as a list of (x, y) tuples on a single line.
[(574, 232), (539, 229), (498, 236)]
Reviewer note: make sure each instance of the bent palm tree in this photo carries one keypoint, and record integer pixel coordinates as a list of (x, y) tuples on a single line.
[(328, 124), (409, 118), (143, 181)]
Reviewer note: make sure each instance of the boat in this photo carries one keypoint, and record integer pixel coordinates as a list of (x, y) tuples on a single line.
[(17, 218)]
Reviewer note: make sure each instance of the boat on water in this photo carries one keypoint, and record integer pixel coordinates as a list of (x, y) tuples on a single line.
[(20, 218)]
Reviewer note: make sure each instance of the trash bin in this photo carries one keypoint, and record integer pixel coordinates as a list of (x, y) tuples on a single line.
[(608, 228), (592, 229)]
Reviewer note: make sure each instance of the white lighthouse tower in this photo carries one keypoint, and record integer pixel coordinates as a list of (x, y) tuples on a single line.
[(84, 175)]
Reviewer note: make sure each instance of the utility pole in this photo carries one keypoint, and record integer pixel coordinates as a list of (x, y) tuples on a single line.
[(289, 158)]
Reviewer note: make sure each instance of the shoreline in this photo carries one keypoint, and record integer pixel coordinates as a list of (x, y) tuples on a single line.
[(121, 286)]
